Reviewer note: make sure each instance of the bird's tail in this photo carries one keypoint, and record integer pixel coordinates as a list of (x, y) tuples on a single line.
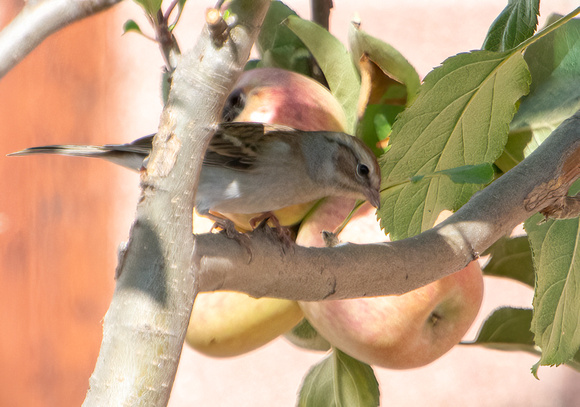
[(132, 155)]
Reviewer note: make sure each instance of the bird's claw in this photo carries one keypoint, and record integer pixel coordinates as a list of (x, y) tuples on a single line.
[(283, 234), (227, 226), (258, 223)]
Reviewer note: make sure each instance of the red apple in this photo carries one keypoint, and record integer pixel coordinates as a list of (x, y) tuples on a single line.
[(277, 96), (396, 331)]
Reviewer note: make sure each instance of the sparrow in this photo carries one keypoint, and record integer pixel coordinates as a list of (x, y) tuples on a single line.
[(256, 168)]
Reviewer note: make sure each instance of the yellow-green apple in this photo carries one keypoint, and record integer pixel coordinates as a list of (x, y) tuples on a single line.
[(396, 331), (229, 323)]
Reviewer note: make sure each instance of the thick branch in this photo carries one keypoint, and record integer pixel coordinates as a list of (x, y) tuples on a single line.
[(348, 271), (38, 20), (145, 326)]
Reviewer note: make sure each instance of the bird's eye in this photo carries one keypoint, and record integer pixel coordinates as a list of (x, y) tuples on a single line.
[(362, 170)]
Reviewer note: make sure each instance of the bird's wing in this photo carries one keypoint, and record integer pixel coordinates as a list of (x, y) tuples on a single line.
[(237, 145)]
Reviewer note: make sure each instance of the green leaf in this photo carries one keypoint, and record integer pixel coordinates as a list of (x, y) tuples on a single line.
[(518, 146), (376, 125), (278, 45), (287, 57), (467, 174), (556, 323), (470, 174), (131, 25), (516, 23), (273, 32), (151, 7), (511, 258), (554, 93), (305, 336), (460, 117), (555, 53), (339, 380), (391, 61), (382, 125), (335, 62), (507, 329)]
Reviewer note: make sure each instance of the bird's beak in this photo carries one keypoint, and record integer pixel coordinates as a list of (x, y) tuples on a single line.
[(374, 197)]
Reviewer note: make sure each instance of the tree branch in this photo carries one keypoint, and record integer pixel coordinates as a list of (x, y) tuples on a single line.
[(38, 20), (145, 326), (321, 12), (349, 270)]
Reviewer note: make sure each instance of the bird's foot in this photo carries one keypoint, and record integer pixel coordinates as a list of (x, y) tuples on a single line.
[(229, 228), (283, 233)]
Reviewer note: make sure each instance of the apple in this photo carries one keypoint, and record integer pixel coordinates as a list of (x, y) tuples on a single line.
[(224, 323), (396, 331), (277, 96), (228, 323)]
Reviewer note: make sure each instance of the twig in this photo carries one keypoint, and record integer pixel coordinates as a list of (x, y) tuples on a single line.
[(321, 12), (37, 21), (170, 9)]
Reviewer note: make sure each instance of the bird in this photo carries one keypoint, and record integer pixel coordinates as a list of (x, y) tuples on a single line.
[(278, 96), (257, 168)]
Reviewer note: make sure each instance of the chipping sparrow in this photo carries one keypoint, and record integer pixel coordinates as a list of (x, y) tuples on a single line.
[(254, 168)]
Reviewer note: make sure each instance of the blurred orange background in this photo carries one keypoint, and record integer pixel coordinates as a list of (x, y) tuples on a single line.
[(61, 219)]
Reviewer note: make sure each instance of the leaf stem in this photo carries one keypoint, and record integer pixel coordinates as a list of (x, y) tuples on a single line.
[(356, 207)]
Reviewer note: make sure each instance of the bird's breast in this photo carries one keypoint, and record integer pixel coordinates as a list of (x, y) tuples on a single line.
[(263, 189)]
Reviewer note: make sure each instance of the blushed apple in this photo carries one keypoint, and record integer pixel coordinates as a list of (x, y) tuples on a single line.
[(277, 96), (396, 331)]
